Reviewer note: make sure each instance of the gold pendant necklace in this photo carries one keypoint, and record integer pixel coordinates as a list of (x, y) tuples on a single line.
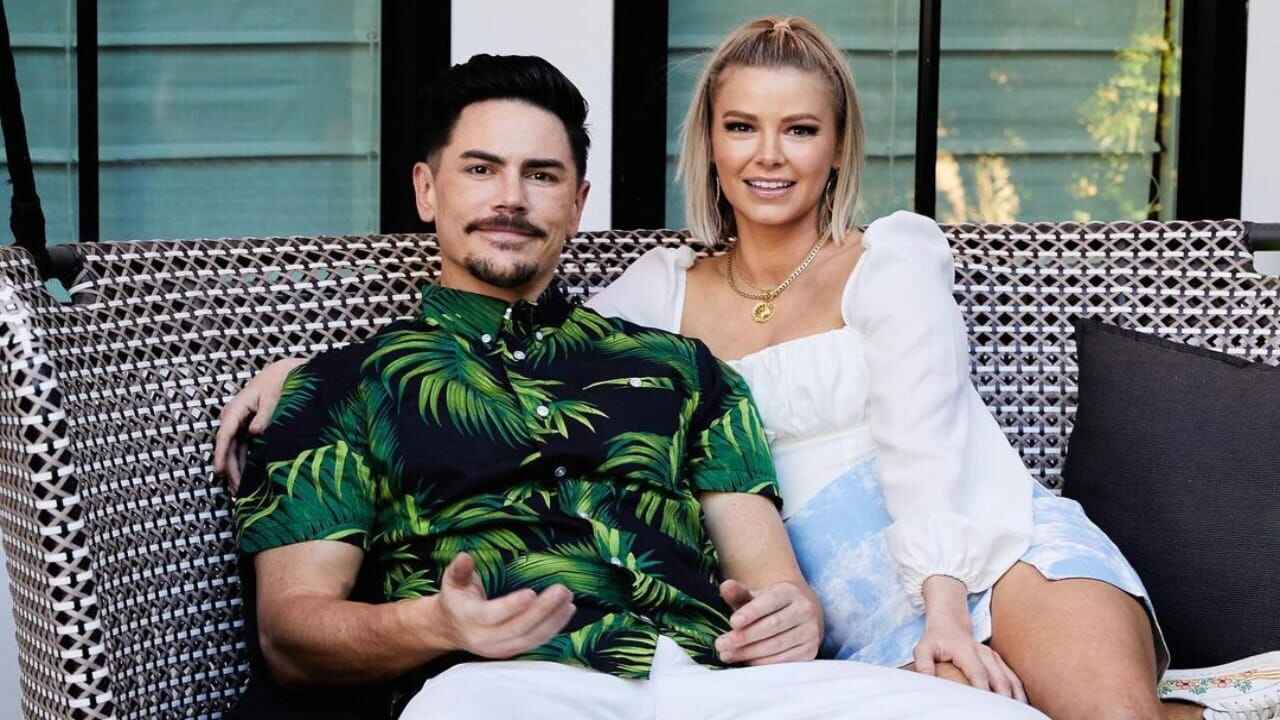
[(763, 310)]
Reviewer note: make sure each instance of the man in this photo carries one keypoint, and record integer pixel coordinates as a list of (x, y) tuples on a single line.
[(549, 498)]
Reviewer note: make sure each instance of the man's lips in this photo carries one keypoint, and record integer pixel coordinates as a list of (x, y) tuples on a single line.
[(506, 231)]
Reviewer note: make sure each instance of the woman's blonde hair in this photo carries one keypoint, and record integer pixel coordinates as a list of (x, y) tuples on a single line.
[(792, 42)]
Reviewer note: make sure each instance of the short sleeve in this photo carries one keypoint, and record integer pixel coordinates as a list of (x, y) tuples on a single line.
[(957, 492), (651, 291), (308, 476), (729, 452)]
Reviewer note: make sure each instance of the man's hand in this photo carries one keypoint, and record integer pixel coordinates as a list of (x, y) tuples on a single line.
[(258, 399), (781, 623), (948, 637), (500, 628)]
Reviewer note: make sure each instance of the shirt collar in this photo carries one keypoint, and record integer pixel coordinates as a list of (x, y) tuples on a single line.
[(475, 314)]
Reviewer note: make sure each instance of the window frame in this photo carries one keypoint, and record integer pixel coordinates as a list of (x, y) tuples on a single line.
[(1210, 137)]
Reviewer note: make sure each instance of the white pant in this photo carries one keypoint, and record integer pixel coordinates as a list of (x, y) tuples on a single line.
[(680, 689)]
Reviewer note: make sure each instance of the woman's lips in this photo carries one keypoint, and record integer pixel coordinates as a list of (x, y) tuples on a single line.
[(769, 189)]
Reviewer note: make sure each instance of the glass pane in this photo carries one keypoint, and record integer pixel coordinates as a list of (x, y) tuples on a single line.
[(1057, 111), (243, 117), (878, 36), (42, 34)]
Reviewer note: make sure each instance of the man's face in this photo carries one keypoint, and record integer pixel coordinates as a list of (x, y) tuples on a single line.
[(504, 195)]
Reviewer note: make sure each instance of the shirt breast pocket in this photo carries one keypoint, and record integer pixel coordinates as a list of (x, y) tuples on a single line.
[(640, 435), (642, 403)]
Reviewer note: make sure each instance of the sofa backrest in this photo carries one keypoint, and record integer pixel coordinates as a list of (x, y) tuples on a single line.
[(119, 538)]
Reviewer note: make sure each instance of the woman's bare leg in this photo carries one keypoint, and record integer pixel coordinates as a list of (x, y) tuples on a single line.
[(1082, 648)]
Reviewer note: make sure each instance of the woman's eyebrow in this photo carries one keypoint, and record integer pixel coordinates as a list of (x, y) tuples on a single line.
[(789, 118)]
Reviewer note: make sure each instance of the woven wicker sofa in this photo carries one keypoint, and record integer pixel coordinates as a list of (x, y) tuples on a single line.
[(118, 537)]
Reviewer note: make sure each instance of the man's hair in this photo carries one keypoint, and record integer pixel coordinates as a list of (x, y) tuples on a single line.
[(526, 78)]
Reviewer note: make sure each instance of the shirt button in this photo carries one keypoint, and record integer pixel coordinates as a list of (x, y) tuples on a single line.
[(636, 382), (519, 354), (560, 471), (486, 338), (543, 411)]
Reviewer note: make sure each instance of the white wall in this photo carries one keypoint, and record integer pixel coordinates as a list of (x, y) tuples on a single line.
[(1260, 199), (575, 36), (9, 703), (1260, 184)]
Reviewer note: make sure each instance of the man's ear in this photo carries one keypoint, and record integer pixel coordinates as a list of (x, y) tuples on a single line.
[(424, 191)]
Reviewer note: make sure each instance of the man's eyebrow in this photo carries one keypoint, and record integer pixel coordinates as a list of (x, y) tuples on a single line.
[(482, 155), (541, 163)]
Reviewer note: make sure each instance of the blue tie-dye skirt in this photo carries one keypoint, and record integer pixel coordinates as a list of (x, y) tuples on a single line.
[(838, 537)]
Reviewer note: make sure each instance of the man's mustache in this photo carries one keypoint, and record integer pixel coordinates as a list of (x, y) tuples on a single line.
[(508, 223)]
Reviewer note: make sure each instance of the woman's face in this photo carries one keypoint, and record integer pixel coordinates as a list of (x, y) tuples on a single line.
[(773, 141)]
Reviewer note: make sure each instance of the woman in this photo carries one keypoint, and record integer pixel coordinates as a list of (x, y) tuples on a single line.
[(912, 517)]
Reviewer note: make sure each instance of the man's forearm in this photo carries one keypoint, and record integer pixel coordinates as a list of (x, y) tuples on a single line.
[(338, 642), (751, 540)]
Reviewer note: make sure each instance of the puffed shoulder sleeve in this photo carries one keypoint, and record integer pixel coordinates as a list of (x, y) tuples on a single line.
[(651, 291), (957, 492)]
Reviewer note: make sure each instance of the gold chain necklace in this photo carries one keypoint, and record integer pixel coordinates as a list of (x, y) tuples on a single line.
[(763, 309)]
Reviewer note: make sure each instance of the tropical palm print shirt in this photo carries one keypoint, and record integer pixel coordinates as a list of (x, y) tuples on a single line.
[(552, 444)]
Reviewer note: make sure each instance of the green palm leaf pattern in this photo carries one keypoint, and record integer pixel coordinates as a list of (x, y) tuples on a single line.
[(461, 313), (652, 463), (678, 517), (647, 457), (615, 641), (520, 493), (577, 567), (380, 428), (325, 493), (674, 351), (403, 582), (255, 506), (299, 390), (615, 546), (696, 636), (482, 526), (448, 373), (481, 520), (651, 594), (325, 467), (635, 382), (733, 446), (590, 499), (576, 334), (533, 394)]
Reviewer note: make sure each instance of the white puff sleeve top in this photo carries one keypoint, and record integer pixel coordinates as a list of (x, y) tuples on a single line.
[(958, 493), (895, 382)]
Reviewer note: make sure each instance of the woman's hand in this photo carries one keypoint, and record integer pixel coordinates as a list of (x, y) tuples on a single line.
[(948, 637), (256, 400)]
